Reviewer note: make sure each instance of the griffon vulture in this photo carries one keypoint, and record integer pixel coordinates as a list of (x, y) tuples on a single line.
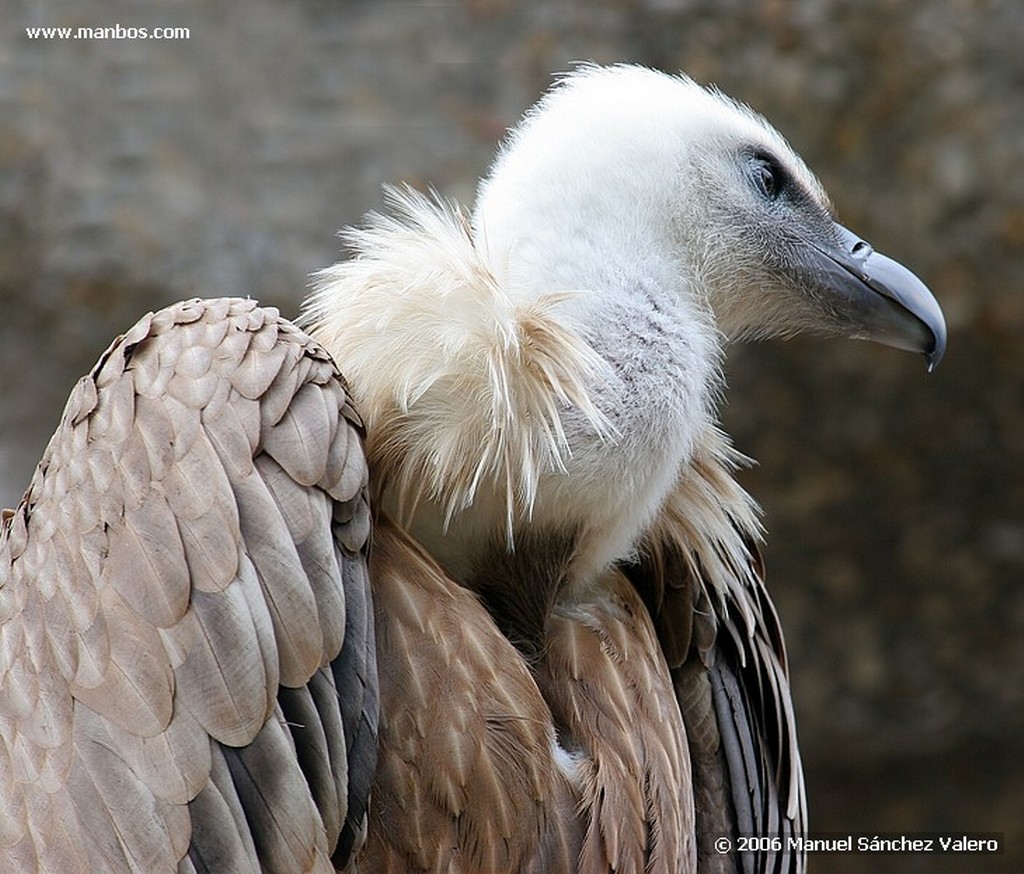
[(548, 646)]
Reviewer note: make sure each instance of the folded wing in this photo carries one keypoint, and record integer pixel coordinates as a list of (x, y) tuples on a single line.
[(187, 671)]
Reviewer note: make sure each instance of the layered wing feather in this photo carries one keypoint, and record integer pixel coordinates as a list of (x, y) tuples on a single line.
[(702, 578), (611, 697), (187, 674), (468, 779)]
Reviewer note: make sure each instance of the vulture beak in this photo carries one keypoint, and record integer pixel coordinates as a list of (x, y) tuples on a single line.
[(882, 300)]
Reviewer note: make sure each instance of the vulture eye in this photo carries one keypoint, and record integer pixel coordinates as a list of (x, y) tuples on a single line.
[(768, 178)]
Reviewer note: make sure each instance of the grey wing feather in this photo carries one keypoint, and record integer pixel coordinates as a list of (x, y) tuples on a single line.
[(724, 646), (187, 669), (751, 695)]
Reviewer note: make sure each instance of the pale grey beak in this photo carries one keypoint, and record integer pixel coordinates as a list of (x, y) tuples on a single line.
[(880, 299)]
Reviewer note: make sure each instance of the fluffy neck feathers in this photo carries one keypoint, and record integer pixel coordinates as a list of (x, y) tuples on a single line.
[(561, 408), (460, 384)]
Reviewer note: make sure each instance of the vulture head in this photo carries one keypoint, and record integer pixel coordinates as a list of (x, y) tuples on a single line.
[(624, 173), (553, 359)]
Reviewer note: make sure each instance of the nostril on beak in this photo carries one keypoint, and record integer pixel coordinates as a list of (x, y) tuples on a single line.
[(861, 249)]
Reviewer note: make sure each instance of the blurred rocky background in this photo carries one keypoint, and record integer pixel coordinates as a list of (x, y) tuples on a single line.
[(137, 172)]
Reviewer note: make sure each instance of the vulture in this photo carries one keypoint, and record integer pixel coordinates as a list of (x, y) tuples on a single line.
[(456, 577)]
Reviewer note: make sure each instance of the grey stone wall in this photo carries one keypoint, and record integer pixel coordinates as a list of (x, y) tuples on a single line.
[(134, 173)]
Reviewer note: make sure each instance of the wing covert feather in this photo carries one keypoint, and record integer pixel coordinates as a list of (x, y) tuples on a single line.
[(467, 780), (193, 539), (730, 678), (608, 685)]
